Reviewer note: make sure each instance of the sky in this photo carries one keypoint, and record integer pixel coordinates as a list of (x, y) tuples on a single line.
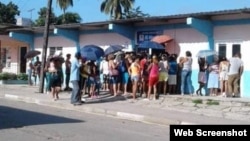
[(89, 10)]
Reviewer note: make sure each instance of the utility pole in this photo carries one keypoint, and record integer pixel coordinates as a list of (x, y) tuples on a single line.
[(31, 11), (45, 44)]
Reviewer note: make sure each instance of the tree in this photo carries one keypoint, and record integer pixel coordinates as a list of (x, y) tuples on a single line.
[(69, 17), (134, 13), (42, 17), (8, 13), (64, 4), (115, 8)]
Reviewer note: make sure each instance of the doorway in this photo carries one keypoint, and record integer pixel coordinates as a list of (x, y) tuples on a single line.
[(228, 50), (23, 61)]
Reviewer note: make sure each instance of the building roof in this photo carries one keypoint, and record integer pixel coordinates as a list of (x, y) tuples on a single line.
[(5, 27), (104, 24)]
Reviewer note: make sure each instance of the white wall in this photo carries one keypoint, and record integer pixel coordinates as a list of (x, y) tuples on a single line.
[(56, 41), (189, 39), (236, 33)]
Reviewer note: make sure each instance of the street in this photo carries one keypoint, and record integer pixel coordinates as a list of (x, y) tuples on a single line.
[(22, 121)]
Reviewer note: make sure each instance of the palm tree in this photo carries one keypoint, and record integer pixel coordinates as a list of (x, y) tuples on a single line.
[(115, 8), (69, 17), (64, 4)]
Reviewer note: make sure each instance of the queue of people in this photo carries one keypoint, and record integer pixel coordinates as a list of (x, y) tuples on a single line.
[(141, 75)]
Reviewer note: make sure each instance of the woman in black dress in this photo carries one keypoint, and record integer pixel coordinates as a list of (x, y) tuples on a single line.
[(56, 78)]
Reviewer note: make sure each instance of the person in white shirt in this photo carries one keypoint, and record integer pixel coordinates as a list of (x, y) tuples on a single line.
[(163, 76), (30, 67), (234, 75), (104, 68)]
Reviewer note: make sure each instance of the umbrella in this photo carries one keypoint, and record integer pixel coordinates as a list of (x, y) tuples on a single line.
[(206, 53), (162, 39), (91, 52), (113, 49), (173, 47), (32, 53), (119, 53), (151, 44)]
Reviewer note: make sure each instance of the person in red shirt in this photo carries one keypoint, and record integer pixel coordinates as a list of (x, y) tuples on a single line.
[(144, 73)]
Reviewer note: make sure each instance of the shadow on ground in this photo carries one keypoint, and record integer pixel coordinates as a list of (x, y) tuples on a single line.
[(18, 118), (106, 97)]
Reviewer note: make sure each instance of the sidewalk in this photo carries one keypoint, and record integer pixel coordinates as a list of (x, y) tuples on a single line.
[(167, 110)]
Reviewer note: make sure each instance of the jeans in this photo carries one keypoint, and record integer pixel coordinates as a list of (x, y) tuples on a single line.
[(76, 95), (186, 81), (67, 80), (29, 77), (48, 81)]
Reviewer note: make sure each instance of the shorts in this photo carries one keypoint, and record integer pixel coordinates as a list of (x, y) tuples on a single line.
[(92, 81), (223, 76), (113, 79), (172, 79), (105, 78), (153, 81), (163, 76), (135, 78), (125, 78)]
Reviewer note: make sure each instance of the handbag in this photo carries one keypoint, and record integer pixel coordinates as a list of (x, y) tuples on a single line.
[(113, 72)]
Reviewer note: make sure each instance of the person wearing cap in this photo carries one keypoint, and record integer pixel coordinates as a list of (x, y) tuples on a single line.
[(74, 79)]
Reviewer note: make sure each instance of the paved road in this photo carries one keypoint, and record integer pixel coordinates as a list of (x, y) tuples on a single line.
[(22, 121)]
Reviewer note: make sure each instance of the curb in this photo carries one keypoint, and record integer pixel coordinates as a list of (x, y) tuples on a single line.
[(99, 111)]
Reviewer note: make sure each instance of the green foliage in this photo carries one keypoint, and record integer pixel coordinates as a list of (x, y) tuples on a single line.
[(197, 101), (13, 76), (22, 76), (64, 4), (212, 102), (69, 17), (42, 16), (8, 76), (115, 8), (8, 13), (134, 13)]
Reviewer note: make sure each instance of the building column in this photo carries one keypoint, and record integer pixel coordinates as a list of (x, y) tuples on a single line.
[(206, 27), (71, 34), (24, 37), (126, 31)]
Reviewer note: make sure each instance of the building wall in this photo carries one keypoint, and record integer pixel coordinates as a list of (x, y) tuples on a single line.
[(188, 39), (56, 41), (13, 51), (104, 40)]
